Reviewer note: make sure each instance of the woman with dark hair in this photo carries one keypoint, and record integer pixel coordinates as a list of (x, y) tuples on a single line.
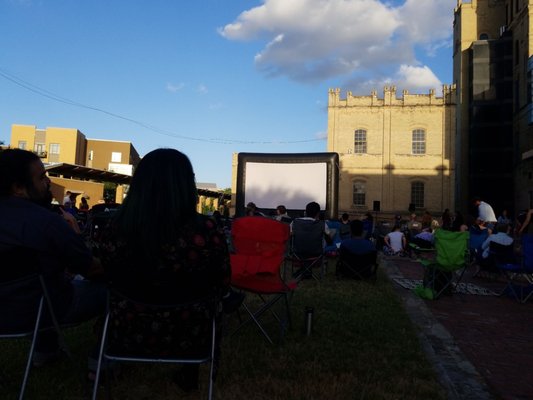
[(159, 250)]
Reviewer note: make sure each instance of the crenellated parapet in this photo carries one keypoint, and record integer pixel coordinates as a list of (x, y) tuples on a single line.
[(390, 98)]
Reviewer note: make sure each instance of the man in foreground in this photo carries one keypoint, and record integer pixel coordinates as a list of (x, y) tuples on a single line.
[(29, 223)]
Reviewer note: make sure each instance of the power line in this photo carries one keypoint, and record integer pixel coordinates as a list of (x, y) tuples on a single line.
[(55, 97)]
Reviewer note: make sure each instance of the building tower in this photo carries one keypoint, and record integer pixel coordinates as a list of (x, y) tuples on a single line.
[(491, 72)]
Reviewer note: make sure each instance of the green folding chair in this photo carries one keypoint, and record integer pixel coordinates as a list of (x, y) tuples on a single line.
[(444, 274)]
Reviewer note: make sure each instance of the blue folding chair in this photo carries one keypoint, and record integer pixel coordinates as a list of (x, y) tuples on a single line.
[(520, 274)]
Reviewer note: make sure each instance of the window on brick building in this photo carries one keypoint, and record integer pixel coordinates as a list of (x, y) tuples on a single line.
[(359, 141), (419, 141), (359, 194), (55, 148), (417, 194), (22, 144)]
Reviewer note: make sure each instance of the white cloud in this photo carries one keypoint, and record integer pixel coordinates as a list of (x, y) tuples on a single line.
[(321, 135), (421, 78), (356, 40), (202, 89), (174, 88), (416, 79)]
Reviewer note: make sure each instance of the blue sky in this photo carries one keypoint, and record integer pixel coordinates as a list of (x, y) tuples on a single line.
[(211, 77)]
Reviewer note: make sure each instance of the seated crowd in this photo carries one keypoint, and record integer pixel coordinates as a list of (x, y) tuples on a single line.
[(157, 249)]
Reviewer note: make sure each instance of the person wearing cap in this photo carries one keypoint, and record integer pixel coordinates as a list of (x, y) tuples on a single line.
[(253, 211)]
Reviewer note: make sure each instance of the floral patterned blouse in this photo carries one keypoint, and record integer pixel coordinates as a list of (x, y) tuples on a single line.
[(194, 267)]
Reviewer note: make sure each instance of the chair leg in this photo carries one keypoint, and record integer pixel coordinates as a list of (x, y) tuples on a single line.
[(32, 350), (100, 357), (60, 337), (212, 366)]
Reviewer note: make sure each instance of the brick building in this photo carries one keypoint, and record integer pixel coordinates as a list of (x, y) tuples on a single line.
[(395, 153)]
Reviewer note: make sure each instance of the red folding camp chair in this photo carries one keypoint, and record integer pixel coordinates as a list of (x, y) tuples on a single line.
[(259, 251)]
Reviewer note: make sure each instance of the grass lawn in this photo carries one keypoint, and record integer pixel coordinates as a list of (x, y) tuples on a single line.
[(363, 346)]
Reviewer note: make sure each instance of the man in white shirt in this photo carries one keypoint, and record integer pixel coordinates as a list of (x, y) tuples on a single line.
[(485, 212)]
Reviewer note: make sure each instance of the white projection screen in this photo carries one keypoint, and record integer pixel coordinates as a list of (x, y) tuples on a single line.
[(291, 179)]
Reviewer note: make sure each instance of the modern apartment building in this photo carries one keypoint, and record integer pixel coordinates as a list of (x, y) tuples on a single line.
[(58, 147), (492, 69), (396, 153)]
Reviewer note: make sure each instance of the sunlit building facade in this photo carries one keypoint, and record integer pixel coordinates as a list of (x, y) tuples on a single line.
[(396, 153)]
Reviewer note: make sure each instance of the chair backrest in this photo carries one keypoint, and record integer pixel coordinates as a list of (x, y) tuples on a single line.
[(477, 237), (20, 289), (259, 245), (502, 254), (451, 249), (307, 237), (527, 252), (357, 264), (154, 331)]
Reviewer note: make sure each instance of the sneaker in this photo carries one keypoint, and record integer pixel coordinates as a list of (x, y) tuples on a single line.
[(40, 359)]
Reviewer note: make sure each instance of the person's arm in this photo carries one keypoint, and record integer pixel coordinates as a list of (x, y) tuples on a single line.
[(526, 221), (404, 241), (486, 243), (386, 239), (70, 220), (68, 246)]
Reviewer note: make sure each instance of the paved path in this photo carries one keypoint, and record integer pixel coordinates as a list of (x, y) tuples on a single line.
[(481, 346)]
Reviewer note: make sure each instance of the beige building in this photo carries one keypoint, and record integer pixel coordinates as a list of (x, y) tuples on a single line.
[(67, 146), (395, 152)]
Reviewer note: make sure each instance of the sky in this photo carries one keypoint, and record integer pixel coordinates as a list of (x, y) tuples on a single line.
[(212, 77)]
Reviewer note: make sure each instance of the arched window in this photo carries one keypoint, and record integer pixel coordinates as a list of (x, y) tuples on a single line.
[(419, 141), (483, 36), (417, 194), (359, 143), (359, 194)]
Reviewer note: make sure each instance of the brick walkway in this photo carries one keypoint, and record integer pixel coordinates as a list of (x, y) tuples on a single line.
[(494, 333)]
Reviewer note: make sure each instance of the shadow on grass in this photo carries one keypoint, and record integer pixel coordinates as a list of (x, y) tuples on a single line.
[(363, 346)]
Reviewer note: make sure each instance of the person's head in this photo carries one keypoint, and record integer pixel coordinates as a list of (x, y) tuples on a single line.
[(413, 217), (503, 228), (251, 208), (83, 201), (345, 217), (356, 228), (476, 200), (161, 200), (22, 174), (312, 210), (281, 210)]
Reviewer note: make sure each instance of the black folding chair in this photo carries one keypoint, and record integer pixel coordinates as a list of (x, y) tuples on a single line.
[(140, 332), (357, 266), (307, 248)]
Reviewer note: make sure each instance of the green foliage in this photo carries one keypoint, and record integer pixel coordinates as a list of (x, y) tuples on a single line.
[(110, 190)]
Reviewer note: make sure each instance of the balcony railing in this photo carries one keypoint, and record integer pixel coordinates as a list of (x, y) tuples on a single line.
[(41, 154)]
